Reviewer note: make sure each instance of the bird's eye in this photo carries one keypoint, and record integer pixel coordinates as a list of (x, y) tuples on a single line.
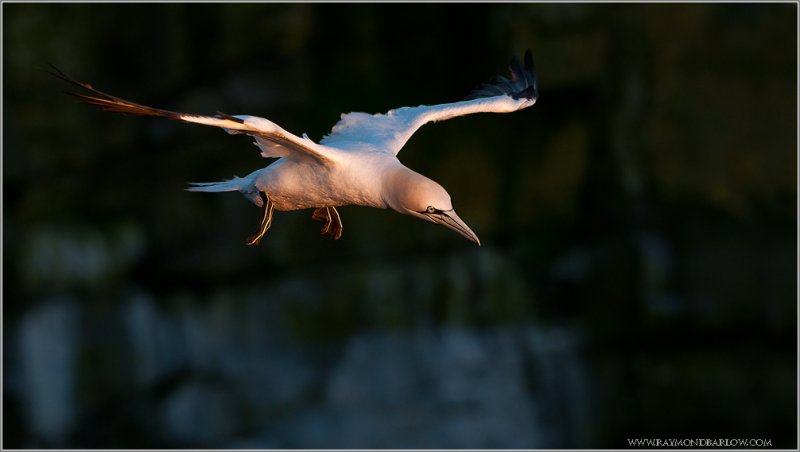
[(431, 209)]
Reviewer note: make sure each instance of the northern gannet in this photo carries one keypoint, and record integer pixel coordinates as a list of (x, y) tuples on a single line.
[(356, 164)]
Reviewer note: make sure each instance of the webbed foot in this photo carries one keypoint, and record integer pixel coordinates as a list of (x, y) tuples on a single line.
[(333, 223)]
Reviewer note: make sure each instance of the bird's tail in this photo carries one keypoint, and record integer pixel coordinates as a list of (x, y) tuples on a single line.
[(234, 184), (243, 185)]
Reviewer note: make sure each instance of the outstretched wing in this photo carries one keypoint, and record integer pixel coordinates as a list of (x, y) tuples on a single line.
[(269, 137), (391, 131)]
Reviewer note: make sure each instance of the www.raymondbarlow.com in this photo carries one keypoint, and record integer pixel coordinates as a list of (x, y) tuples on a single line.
[(699, 442)]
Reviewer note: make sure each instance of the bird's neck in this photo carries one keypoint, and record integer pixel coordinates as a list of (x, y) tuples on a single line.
[(398, 182)]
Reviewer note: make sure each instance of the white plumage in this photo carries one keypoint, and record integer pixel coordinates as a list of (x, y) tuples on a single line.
[(356, 164)]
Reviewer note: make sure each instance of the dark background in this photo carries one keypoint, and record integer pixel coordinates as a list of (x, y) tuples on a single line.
[(637, 277)]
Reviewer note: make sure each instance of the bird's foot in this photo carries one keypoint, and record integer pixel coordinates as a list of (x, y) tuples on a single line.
[(266, 220), (333, 223)]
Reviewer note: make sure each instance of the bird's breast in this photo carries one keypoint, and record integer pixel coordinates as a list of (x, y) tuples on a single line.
[(300, 185)]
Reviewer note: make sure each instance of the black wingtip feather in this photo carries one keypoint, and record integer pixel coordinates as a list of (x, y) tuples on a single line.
[(529, 61), (222, 115), (109, 103), (523, 82), (57, 73)]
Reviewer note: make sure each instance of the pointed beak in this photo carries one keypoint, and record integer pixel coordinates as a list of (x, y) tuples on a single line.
[(449, 219)]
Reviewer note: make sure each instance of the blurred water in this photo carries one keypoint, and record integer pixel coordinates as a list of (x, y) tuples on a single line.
[(49, 346), (445, 388)]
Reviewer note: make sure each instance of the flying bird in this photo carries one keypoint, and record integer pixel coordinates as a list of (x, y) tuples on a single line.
[(355, 164)]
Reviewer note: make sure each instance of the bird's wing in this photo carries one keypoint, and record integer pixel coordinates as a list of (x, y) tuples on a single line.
[(391, 131), (269, 137)]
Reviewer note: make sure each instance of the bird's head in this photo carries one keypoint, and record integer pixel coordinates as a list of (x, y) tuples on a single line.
[(413, 194)]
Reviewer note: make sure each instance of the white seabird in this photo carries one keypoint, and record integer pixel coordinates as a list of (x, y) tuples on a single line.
[(356, 164)]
